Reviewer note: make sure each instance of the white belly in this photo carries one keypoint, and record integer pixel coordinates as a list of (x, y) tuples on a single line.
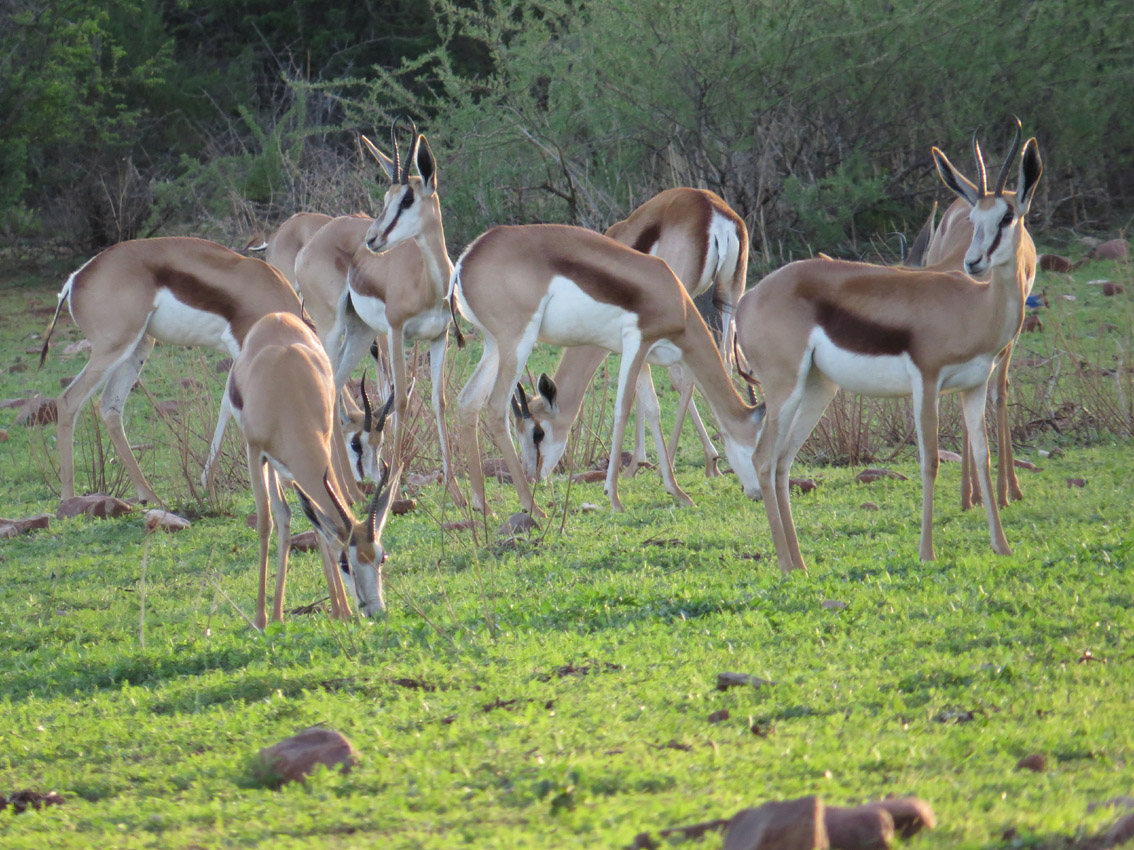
[(371, 310), (572, 317), (863, 374), (177, 323)]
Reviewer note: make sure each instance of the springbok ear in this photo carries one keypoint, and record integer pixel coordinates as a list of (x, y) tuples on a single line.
[(1031, 167), (548, 390), (426, 165), (958, 184), (383, 160)]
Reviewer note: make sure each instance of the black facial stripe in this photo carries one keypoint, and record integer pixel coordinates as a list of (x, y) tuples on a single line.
[(344, 562), (995, 242)]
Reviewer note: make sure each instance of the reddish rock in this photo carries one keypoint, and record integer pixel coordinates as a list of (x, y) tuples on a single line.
[(20, 366), (1034, 762), (789, 825), (293, 759), (591, 476), (1121, 832), (910, 814), (21, 801), (1055, 263), (803, 485), (735, 680), (718, 716), (38, 411), (250, 520), (191, 384), (165, 521), (1076, 482), (1112, 249), (1110, 289), (12, 527), (400, 507), (869, 506), (861, 828), (97, 505), (1026, 464), (3, 436), (875, 473), (168, 408), (495, 467), (1032, 324)]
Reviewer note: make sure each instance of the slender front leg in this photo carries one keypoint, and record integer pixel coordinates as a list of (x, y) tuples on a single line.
[(770, 443), (650, 411), (1007, 484), (257, 472), (281, 513), (973, 402), (969, 493), (633, 356), (469, 404), (925, 416), (401, 392), (437, 350), (499, 401), (683, 380)]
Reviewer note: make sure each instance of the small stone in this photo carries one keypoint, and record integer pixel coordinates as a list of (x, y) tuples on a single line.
[(947, 456), (1067, 297), (461, 525), (518, 523), (735, 680), (250, 520), (400, 507), (224, 365), (96, 505), (861, 828), (165, 521), (191, 384), (803, 485), (589, 508), (1112, 249), (422, 479), (305, 541), (789, 825), (1076, 482), (1026, 464), (874, 473), (23, 526), (591, 476), (495, 467), (1034, 762), (869, 506), (168, 408), (3, 436), (12, 403), (1121, 832), (833, 605), (1031, 324), (293, 759), (1110, 289), (19, 365), (1055, 263), (77, 347), (718, 716)]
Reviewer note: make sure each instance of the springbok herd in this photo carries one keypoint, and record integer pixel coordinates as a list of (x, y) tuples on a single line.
[(804, 331)]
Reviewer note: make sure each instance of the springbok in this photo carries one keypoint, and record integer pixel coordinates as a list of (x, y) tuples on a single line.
[(396, 285), (706, 244), (289, 438), (176, 290), (816, 325), (569, 286), (946, 250), (285, 244)]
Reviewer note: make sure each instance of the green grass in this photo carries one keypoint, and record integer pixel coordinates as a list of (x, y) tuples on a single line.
[(557, 693)]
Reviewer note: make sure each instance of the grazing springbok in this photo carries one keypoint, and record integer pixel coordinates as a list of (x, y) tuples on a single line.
[(396, 285), (285, 244), (289, 442), (946, 250), (706, 244), (176, 290), (814, 326), (569, 286)]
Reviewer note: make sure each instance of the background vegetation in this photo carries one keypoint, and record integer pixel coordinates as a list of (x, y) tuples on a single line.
[(813, 119)]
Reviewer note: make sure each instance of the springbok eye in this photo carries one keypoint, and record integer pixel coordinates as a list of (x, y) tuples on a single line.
[(407, 201), (537, 435), (1007, 220), (356, 444)]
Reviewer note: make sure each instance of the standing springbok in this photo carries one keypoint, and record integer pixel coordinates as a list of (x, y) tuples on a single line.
[(816, 325), (289, 442), (176, 290), (569, 286), (396, 285), (946, 250), (706, 244)]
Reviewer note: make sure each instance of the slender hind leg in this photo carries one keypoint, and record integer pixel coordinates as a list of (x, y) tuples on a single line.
[(118, 385)]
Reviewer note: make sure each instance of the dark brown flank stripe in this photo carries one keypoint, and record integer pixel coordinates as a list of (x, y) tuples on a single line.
[(647, 239), (857, 334), (235, 396), (194, 292), (599, 284)]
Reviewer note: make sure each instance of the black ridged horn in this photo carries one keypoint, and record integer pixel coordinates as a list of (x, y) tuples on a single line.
[(386, 411), (1004, 169), (520, 401), (982, 174), (348, 523), (380, 502), (366, 411)]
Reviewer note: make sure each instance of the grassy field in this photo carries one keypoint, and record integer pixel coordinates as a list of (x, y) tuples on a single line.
[(559, 691)]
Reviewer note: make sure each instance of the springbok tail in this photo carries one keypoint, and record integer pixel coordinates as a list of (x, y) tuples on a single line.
[(63, 296)]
